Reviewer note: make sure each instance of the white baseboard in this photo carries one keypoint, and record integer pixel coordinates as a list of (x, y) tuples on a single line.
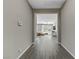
[(24, 51), (31, 45), (67, 50)]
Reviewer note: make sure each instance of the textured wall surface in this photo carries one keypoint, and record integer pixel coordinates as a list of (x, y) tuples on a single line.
[(68, 26), (16, 38)]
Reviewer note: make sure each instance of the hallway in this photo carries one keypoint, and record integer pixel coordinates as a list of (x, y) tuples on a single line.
[(39, 29)]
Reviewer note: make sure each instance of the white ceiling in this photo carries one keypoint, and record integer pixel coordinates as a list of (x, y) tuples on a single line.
[(46, 4)]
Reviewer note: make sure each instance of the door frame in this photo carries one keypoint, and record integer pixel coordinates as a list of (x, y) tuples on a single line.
[(47, 11)]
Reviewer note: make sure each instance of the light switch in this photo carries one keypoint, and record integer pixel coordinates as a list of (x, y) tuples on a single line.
[(19, 23), (19, 20)]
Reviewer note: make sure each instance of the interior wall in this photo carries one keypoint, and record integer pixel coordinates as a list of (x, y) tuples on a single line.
[(16, 38), (68, 26)]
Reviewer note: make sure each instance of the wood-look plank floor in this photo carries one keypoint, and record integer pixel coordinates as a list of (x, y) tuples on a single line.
[(61, 53)]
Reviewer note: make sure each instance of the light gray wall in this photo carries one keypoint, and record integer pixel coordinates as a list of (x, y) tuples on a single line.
[(68, 26), (16, 37)]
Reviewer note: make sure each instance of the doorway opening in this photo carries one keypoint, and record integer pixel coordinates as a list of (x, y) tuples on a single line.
[(46, 24), (46, 34)]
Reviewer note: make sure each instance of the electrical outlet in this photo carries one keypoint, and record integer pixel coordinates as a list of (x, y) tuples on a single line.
[(19, 50)]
